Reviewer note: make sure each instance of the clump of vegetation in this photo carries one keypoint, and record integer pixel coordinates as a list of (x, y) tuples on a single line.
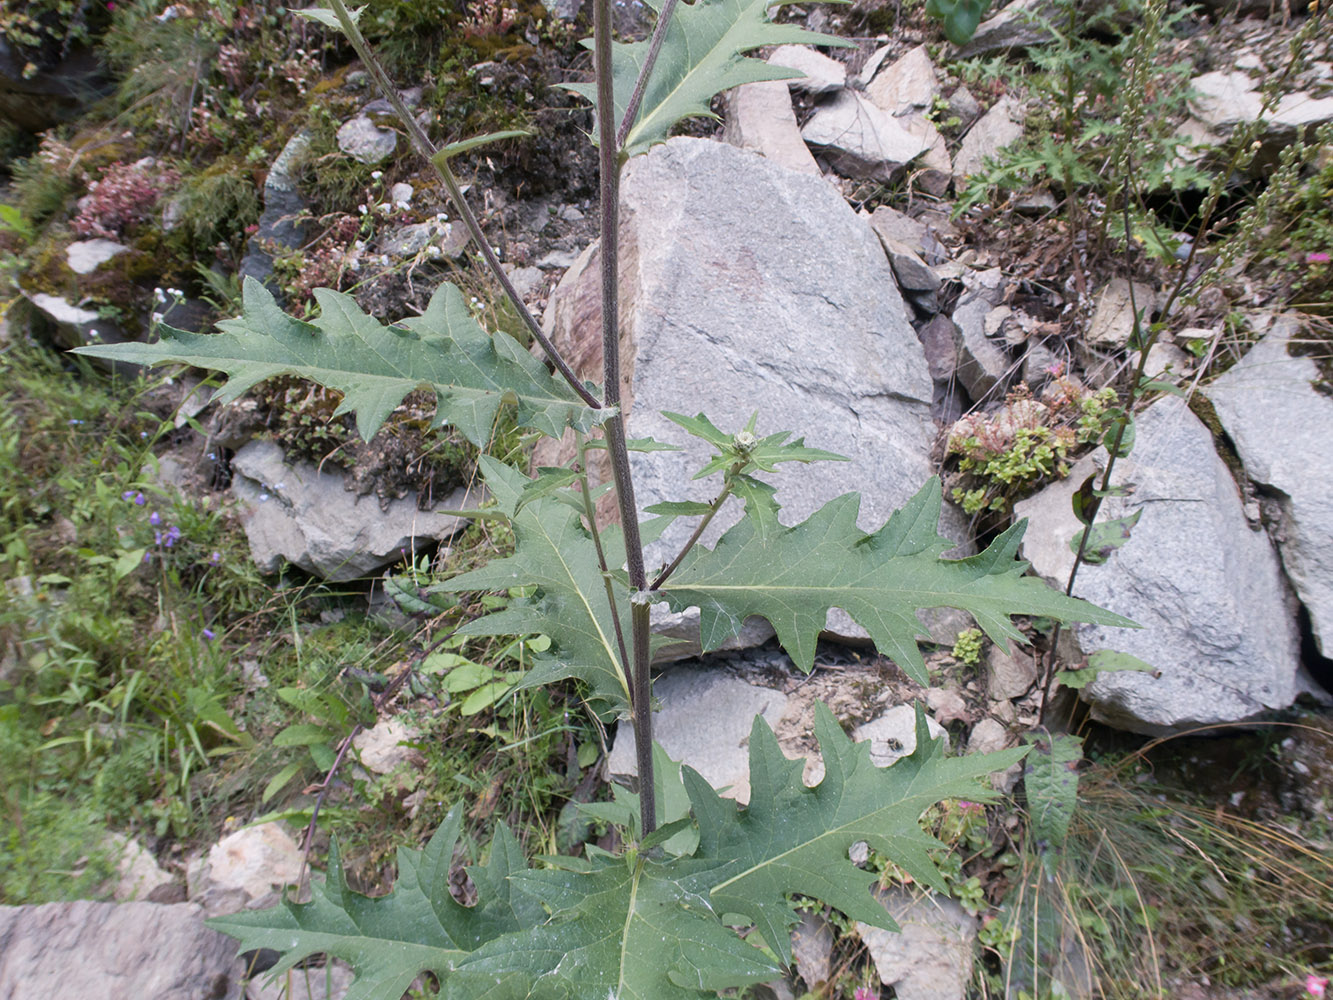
[(967, 647), (1003, 456)]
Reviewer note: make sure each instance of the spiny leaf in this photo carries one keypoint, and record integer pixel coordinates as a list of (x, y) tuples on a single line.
[(700, 58), (632, 930), (375, 366), (793, 576), (1050, 780), (389, 940), (553, 552), (794, 839)]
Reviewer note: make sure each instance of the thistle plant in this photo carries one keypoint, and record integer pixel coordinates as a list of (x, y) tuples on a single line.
[(648, 923)]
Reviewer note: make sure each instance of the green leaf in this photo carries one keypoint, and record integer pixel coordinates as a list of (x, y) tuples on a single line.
[(1105, 537), (375, 366), (1050, 779), (639, 928), (279, 781), (1126, 438), (327, 17), (389, 940), (679, 508), (1100, 661), (553, 552), (701, 56), (763, 454), (793, 575), (959, 17), (302, 735), (794, 839), (467, 145)]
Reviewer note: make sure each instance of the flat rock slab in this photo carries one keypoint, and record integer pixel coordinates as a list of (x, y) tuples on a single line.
[(307, 517), (704, 722), (823, 75), (1281, 427), (114, 951), (862, 141), (760, 118), (997, 128), (1206, 588)]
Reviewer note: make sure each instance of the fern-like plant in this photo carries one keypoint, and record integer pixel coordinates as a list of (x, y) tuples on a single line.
[(649, 924)]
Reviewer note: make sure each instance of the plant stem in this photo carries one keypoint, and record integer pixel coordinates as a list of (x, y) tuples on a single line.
[(690, 543), (645, 71), (591, 514), (614, 427), (427, 149)]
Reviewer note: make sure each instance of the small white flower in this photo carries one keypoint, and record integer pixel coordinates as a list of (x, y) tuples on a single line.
[(384, 209), (157, 318), (433, 251), (376, 174), (362, 209), (384, 259), (401, 204), (160, 295), (93, 334)]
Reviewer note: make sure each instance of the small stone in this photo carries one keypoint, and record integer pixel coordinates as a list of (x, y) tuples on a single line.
[(572, 213), (812, 948), (557, 260), (1113, 321), (964, 107), (890, 224), (760, 117), (908, 85), (401, 193), (246, 867), (383, 747), (911, 271), (1012, 27), (138, 874), (527, 281), (946, 705), (861, 141), (822, 74), (366, 142), (997, 128), (893, 735), (943, 342), (86, 256), (988, 735), (1009, 674)]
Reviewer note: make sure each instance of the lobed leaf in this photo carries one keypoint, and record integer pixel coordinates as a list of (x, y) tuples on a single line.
[(374, 366), (701, 56), (793, 575)]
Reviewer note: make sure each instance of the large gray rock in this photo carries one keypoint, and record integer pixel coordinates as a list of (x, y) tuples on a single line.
[(308, 517), (862, 141), (1204, 585), (1281, 427), (114, 951), (779, 300), (704, 722), (931, 958), (760, 118)]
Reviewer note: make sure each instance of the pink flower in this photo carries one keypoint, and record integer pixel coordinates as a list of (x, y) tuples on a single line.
[(864, 993), (1316, 986), (1318, 257)]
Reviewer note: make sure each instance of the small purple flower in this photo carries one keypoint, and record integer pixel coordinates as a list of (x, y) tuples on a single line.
[(127, 495), (148, 557), (157, 538), (263, 497), (139, 500), (1318, 257), (155, 519), (75, 423), (208, 634), (216, 558), (172, 536)]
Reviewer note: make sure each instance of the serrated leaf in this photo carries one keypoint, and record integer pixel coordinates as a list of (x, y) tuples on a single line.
[(633, 931), (1104, 660), (327, 17), (375, 366), (1104, 537), (794, 839), (701, 56), (553, 552), (794, 575), (1050, 780), (389, 940), (679, 508)]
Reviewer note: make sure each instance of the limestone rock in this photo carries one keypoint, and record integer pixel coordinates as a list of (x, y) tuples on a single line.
[(364, 141), (1009, 674), (861, 141), (893, 735), (984, 363), (137, 871), (86, 256), (823, 75), (760, 118), (114, 951), (245, 869), (408, 241), (909, 85), (1281, 427), (932, 172), (1113, 319), (307, 517), (891, 225), (705, 722), (988, 736), (931, 959), (911, 271), (383, 746), (1206, 588), (1001, 126), (1224, 100), (684, 626), (812, 948), (964, 107)]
